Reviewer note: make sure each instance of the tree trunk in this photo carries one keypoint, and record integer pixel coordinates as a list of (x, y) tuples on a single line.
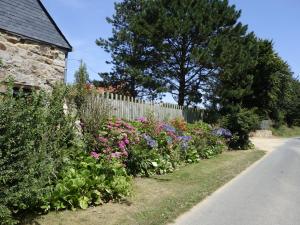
[(181, 91)]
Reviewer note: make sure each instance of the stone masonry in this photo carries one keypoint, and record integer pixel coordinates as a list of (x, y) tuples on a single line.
[(30, 63)]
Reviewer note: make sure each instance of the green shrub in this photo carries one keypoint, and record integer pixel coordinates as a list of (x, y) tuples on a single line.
[(34, 133), (206, 144), (142, 161), (241, 124), (88, 181)]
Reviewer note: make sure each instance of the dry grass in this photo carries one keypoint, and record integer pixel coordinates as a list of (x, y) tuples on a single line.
[(160, 199)]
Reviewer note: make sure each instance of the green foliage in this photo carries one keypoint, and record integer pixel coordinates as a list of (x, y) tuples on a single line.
[(145, 162), (186, 39), (241, 124), (88, 181), (293, 106), (206, 144), (170, 44), (93, 115), (285, 131), (131, 74), (81, 80), (272, 84), (34, 136)]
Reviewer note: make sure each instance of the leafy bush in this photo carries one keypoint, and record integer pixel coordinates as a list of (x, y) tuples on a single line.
[(94, 112), (44, 164), (241, 124), (179, 124), (114, 138), (144, 161), (206, 143), (88, 181), (34, 133)]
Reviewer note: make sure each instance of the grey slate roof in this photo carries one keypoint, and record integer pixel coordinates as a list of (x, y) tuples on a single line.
[(30, 19)]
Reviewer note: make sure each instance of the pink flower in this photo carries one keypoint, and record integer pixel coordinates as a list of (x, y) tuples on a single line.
[(129, 127), (126, 141), (102, 139), (142, 119), (95, 155), (125, 153), (116, 155), (122, 145)]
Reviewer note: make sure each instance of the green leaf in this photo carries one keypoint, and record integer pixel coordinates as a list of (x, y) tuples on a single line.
[(154, 164), (83, 202)]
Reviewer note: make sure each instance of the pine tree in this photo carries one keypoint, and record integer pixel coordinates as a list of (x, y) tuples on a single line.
[(81, 75), (81, 81), (131, 74), (236, 60), (184, 36), (271, 87)]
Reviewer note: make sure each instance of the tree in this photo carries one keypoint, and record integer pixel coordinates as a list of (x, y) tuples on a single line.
[(131, 74), (184, 35), (293, 106), (271, 86), (81, 75), (81, 80), (236, 59)]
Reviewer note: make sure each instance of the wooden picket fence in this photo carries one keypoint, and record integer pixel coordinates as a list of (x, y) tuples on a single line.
[(130, 109)]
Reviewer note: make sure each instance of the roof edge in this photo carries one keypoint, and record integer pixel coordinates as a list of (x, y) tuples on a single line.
[(70, 49), (22, 36)]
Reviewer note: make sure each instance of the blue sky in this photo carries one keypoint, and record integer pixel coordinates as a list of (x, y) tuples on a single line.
[(83, 21)]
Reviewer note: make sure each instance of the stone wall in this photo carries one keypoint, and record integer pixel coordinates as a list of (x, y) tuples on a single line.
[(30, 63), (262, 134)]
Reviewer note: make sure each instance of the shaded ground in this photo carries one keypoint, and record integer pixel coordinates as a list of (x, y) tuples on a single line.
[(160, 199), (266, 194)]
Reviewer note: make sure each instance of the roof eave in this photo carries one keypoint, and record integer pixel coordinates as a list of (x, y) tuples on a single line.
[(22, 36), (53, 22)]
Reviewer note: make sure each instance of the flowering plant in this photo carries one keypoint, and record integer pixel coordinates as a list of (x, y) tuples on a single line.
[(114, 139)]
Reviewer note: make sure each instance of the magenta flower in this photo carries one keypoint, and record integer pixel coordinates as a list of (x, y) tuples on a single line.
[(95, 155), (122, 145), (126, 141)]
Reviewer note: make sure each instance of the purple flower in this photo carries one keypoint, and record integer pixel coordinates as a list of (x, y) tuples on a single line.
[(222, 132), (185, 138), (150, 141), (184, 142), (169, 128)]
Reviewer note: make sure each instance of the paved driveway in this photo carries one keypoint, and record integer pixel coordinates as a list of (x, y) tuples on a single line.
[(266, 194)]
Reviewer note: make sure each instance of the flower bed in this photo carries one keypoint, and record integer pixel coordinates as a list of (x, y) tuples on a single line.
[(63, 170)]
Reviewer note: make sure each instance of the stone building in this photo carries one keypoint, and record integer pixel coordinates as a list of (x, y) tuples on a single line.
[(33, 50)]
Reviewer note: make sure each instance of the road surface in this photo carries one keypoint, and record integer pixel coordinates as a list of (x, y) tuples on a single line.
[(266, 194)]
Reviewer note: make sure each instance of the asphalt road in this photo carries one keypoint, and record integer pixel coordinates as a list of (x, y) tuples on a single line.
[(266, 194)]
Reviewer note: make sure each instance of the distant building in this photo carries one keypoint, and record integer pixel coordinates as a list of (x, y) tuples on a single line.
[(32, 48)]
